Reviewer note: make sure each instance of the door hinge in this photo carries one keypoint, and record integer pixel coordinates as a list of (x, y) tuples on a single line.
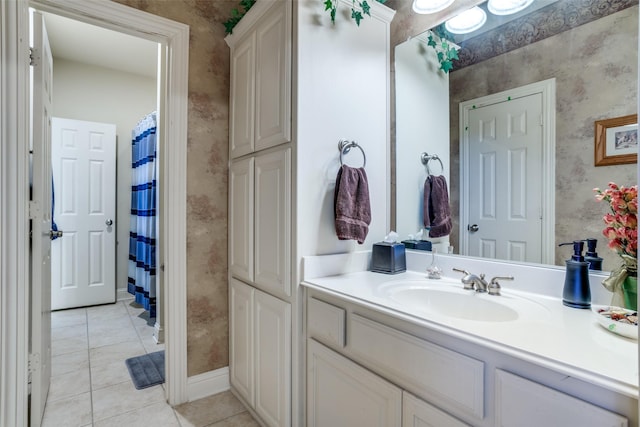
[(541, 120), (32, 57), (34, 362), (34, 209)]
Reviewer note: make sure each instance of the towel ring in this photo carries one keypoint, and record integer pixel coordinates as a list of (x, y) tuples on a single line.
[(345, 146), (425, 158)]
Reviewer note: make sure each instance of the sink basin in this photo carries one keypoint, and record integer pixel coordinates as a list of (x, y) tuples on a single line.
[(456, 302), (469, 305)]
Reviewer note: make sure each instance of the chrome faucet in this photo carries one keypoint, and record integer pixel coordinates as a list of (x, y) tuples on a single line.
[(471, 281)]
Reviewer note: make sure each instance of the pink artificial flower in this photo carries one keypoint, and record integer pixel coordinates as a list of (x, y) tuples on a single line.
[(621, 225)]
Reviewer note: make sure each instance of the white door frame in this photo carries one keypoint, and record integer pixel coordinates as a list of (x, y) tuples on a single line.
[(548, 90), (14, 185)]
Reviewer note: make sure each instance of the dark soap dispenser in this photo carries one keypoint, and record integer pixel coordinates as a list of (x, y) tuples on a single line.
[(591, 256), (576, 293)]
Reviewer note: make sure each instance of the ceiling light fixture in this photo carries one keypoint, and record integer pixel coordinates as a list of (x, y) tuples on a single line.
[(468, 21), (430, 6), (507, 7)]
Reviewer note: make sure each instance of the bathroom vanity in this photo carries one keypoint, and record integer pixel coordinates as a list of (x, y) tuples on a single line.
[(404, 350)]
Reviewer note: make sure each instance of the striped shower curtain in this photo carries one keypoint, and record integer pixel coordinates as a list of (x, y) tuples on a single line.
[(142, 231)]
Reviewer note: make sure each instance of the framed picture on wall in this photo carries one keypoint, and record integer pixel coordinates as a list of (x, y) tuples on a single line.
[(616, 141)]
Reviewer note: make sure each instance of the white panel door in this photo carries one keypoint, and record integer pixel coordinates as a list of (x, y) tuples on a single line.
[(341, 393), (242, 100), (273, 222), (505, 185), (241, 361), (40, 340), (418, 413), (84, 176), (524, 403), (272, 331), (241, 219), (273, 77)]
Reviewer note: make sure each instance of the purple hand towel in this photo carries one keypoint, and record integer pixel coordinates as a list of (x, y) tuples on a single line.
[(351, 204), (437, 213)]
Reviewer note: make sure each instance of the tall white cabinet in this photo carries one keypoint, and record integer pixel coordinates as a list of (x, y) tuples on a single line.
[(299, 84)]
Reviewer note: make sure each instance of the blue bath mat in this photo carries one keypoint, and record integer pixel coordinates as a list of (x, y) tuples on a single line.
[(146, 370)]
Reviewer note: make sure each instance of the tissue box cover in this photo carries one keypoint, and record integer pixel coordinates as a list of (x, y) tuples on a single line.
[(388, 258), (421, 245)]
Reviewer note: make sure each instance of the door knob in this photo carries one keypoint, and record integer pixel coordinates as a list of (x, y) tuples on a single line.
[(54, 234), (109, 222), (473, 228)]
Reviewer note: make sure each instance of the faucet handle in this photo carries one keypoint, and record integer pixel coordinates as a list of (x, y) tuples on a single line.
[(494, 286), (459, 270)]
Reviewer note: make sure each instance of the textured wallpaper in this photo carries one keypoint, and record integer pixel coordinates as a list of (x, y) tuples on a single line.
[(208, 141), (596, 70)]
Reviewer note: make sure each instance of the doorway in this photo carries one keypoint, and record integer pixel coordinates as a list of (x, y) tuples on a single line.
[(101, 76), (507, 174), (15, 300)]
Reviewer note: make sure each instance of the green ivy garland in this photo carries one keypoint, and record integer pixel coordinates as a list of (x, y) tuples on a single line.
[(237, 14), (445, 50), (330, 5), (356, 15)]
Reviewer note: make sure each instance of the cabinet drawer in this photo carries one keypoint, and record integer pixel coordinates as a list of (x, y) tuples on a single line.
[(449, 379), (326, 322), (524, 403)]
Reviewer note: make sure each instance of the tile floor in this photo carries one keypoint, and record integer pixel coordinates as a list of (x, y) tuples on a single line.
[(90, 384)]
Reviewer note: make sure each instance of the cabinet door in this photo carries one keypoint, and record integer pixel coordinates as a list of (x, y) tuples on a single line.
[(241, 219), (524, 403), (273, 222), (273, 77), (241, 361), (341, 393), (418, 413), (272, 326), (242, 101)]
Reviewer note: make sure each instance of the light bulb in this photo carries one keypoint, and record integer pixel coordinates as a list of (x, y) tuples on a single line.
[(430, 6), (468, 21), (507, 7)]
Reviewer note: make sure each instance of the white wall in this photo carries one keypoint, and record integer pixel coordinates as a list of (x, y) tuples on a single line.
[(342, 93), (87, 92), (422, 125)]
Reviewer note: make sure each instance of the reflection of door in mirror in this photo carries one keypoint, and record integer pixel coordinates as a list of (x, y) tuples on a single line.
[(595, 63), (502, 177)]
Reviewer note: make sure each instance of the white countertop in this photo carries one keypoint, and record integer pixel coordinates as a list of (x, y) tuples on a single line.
[(554, 336)]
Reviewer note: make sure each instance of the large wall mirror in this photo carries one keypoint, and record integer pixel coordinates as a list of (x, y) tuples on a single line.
[(582, 56)]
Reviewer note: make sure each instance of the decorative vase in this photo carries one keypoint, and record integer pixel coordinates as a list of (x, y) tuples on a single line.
[(630, 291)]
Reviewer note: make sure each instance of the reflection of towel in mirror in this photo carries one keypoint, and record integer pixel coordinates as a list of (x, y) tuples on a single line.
[(351, 204), (437, 213)]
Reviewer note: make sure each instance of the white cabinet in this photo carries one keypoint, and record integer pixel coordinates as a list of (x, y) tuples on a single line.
[(241, 339), (444, 381), (273, 78), (272, 335), (241, 126), (418, 413), (260, 221), (524, 403), (261, 83), (241, 189), (286, 120), (273, 222), (342, 394), (260, 352)]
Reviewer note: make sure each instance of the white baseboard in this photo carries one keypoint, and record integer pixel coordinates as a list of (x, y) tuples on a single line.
[(123, 294), (208, 384)]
